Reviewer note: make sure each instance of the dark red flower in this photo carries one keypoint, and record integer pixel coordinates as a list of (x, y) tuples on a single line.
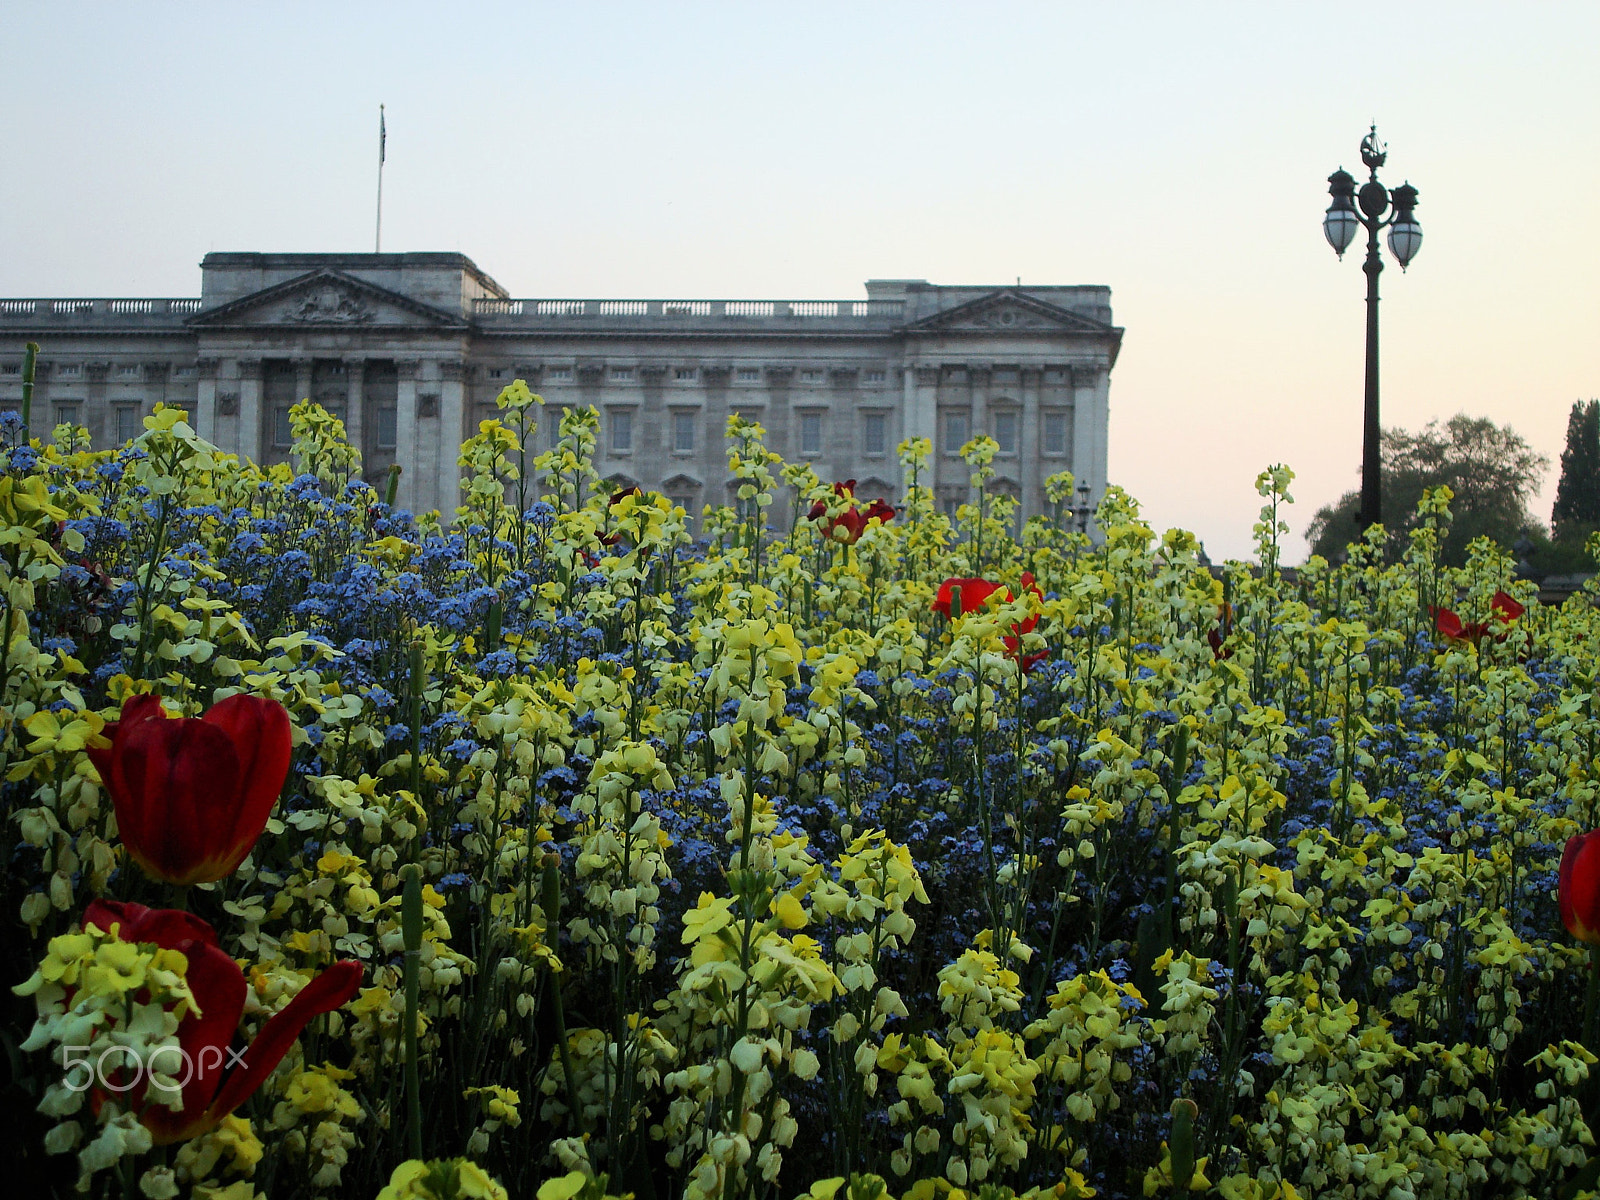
[(1219, 634), (617, 497), (958, 596), (1454, 629), (218, 1079), (849, 525), (1578, 887), (192, 795)]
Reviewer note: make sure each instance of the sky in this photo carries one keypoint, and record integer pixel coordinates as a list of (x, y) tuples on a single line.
[(1177, 153)]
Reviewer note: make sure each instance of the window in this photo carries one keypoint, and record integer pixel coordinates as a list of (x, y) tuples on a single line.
[(749, 374), (11, 368), (127, 417), (683, 432), (872, 377), (559, 374), (621, 374), (948, 505), (282, 434), (69, 370), (497, 372), (811, 433), (685, 502), (955, 432), (873, 428), (1005, 431), (128, 371), (685, 374), (387, 427), (1055, 433), (811, 376), (622, 431), (184, 372), (66, 414)]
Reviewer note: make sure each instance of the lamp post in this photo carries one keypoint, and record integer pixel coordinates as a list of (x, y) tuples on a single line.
[(1367, 207)]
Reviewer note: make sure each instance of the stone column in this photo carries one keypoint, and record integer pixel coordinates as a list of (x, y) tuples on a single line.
[(249, 406), (1084, 380), (452, 420), (95, 402), (355, 375), (405, 432), (922, 413), (205, 402), (302, 379), (1030, 442)]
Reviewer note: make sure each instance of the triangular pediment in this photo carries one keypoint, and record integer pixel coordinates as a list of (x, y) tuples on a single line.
[(1009, 311), (327, 299)]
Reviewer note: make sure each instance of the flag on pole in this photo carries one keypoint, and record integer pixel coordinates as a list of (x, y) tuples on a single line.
[(383, 135)]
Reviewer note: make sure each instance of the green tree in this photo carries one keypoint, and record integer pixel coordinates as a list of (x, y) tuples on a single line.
[(1492, 471), (1577, 508)]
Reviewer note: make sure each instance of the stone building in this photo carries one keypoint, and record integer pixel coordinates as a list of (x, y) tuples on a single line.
[(410, 350)]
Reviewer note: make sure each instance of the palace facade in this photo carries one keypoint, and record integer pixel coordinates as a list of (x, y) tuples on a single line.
[(410, 351)]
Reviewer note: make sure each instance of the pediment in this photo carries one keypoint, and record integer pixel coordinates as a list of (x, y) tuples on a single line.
[(680, 483), (327, 299), (1010, 311)]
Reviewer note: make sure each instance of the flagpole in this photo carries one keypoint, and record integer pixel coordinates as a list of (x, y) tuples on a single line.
[(383, 135)]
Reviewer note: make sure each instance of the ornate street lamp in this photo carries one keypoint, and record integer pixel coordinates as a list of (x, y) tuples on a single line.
[(1351, 209)]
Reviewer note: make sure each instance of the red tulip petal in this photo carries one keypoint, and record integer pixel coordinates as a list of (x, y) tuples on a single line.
[(176, 795), (1505, 607), (1447, 623), (260, 733), (165, 927), (818, 511), (328, 991), (220, 989), (1578, 887)]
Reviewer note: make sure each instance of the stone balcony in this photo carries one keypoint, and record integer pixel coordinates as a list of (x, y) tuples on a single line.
[(98, 313)]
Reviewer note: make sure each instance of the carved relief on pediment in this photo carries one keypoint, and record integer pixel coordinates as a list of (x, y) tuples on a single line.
[(328, 305), (1008, 316)]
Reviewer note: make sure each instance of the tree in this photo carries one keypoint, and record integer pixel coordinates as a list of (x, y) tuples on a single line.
[(1577, 507), (1492, 471)]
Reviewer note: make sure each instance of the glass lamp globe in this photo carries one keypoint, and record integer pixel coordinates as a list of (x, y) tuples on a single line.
[(1405, 239), (1339, 227)]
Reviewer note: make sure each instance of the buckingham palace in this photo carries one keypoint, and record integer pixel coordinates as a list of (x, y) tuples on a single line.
[(410, 351)]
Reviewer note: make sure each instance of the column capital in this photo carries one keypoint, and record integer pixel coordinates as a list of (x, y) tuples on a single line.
[(926, 376), (97, 371), (452, 370), (407, 368), (206, 367), (155, 372), (249, 368)]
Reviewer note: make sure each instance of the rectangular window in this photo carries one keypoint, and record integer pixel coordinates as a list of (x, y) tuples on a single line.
[(183, 372), (128, 371), (128, 424), (69, 369), (749, 374), (949, 504), (559, 374), (10, 368), (872, 377), (1005, 431), (683, 432), (1055, 433), (811, 433), (810, 376), (621, 374), (497, 372), (622, 431), (282, 434), (955, 432), (873, 431), (66, 414), (388, 426), (685, 374)]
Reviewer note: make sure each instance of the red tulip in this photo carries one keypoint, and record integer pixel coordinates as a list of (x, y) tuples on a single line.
[(959, 596), (218, 1080), (1578, 887), (193, 795), (849, 525), (617, 497), (1453, 628), (1220, 634)]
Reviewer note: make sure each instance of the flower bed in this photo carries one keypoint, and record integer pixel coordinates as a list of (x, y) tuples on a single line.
[(888, 849)]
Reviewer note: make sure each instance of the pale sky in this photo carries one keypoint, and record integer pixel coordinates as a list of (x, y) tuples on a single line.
[(1175, 152)]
